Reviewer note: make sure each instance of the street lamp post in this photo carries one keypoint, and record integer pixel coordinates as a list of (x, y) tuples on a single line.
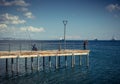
[(65, 23)]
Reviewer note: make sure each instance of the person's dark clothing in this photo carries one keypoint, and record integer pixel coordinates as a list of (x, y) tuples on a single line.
[(34, 48), (85, 45)]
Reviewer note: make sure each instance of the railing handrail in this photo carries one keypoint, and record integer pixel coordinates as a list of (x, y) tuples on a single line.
[(41, 46)]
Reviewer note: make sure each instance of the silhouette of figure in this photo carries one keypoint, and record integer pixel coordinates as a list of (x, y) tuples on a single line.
[(85, 44), (34, 48)]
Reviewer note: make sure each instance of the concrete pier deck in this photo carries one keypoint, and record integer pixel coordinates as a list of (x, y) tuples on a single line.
[(23, 54)]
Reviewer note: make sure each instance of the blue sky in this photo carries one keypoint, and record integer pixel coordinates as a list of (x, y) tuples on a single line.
[(42, 19)]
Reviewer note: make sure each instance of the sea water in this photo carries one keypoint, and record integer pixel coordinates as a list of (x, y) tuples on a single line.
[(104, 64)]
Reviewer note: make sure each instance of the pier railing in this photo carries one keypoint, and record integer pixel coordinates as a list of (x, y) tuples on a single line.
[(40, 46)]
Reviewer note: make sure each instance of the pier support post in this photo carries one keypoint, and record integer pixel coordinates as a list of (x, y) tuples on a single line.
[(43, 62), (80, 60), (65, 61), (50, 61), (72, 59), (59, 61), (25, 63), (87, 60), (31, 63), (17, 61), (12, 65), (6, 64), (56, 60), (38, 67)]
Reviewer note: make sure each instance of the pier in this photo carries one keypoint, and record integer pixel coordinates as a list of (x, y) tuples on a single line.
[(42, 54), (13, 54)]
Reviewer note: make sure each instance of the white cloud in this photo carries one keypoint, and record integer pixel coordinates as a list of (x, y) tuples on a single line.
[(20, 3), (32, 29), (21, 29), (10, 19), (3, 26), (29, 15), (113, 7), (21, 32), (26, 12), (13, 3)]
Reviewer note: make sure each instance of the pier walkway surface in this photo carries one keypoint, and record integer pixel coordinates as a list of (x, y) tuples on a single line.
[(23, 54)]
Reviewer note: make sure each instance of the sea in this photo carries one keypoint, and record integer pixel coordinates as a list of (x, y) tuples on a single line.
[(104, 63)]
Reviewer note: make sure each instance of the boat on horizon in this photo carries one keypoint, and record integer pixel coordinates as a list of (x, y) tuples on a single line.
[(96, 39), (113, 39)]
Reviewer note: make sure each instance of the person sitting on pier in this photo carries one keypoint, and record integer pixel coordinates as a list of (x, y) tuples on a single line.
[(34, 48)]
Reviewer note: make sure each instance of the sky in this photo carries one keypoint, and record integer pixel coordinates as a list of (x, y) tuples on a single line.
[(43, 19)]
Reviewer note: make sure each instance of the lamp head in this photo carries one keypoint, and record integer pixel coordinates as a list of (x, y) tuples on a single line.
[(65, 22)]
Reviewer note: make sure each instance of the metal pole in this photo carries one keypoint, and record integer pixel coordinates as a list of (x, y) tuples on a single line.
[(64, 36), (9, 49), (59, 52), (65, 23), (20, 48)]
